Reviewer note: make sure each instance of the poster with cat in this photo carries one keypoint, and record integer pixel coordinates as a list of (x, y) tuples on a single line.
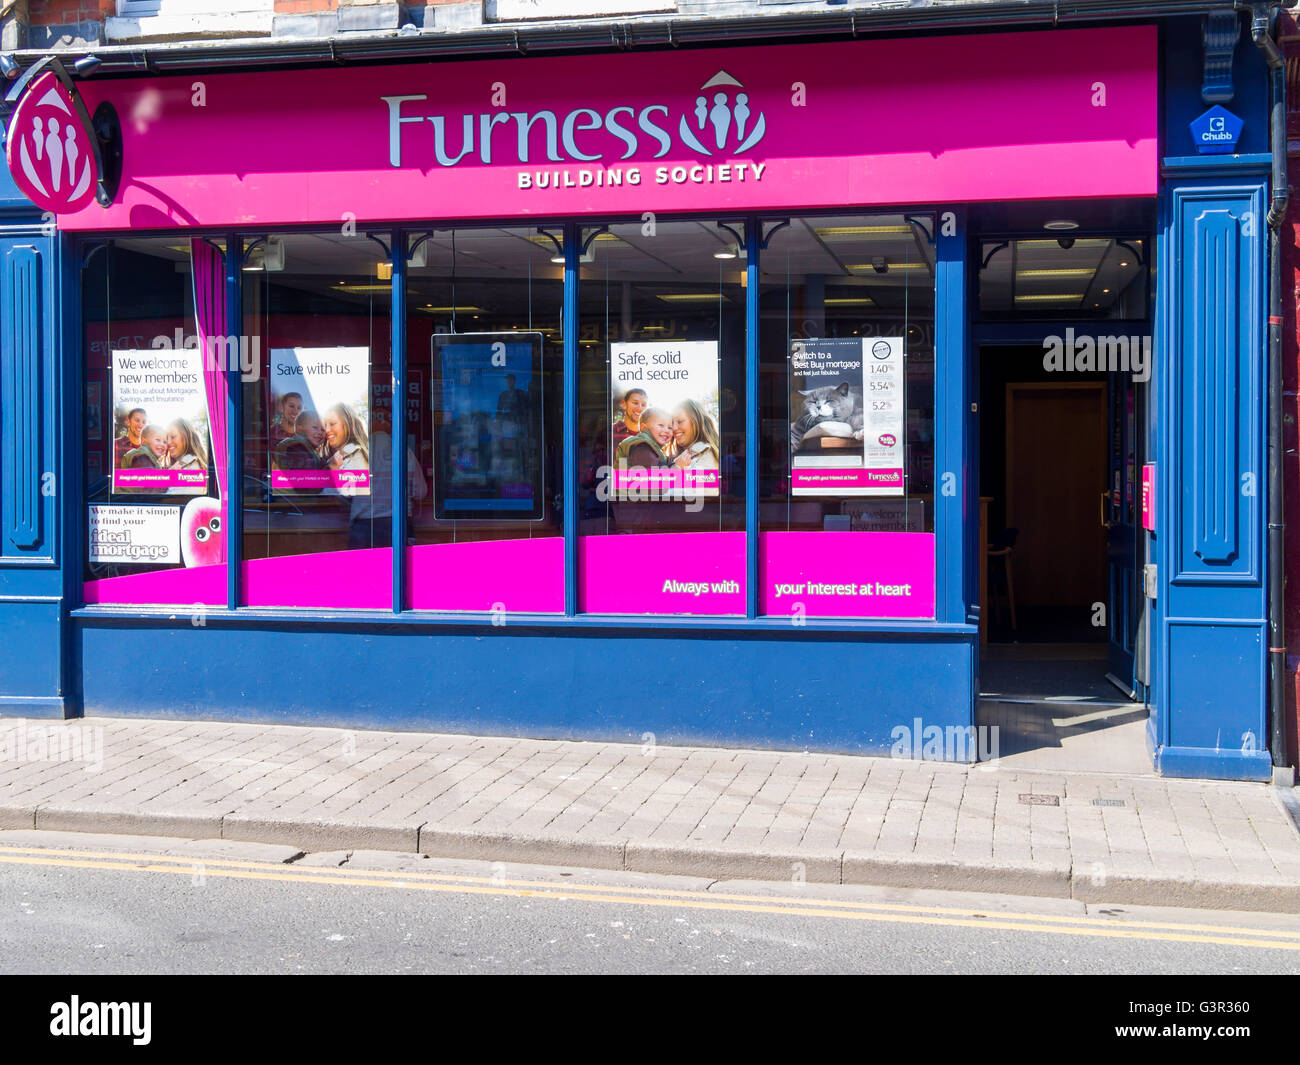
[(847, 416)]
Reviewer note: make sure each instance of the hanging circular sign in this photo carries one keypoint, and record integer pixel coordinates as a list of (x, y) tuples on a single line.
[(49, 150)]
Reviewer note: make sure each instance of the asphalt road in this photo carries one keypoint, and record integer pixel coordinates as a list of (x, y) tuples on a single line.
[(126, 905)]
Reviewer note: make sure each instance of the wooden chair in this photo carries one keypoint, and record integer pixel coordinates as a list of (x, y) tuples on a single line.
[(1000, 547)]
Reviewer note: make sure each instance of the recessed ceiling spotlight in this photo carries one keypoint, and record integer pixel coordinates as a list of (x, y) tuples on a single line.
[(1061, 225)]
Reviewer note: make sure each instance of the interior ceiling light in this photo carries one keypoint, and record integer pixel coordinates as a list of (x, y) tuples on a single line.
[(1044, 297), (892, 266), (688, 297), (1061, 225), (451, 310), (863, 231), (847, 301), (360, 287), (1081, 271), (728, 251), (1054, 244)]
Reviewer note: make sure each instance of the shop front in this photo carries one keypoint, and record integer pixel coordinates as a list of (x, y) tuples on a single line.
[(635, 394)]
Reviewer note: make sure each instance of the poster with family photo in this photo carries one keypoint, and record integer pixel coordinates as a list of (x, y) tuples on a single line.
[(847, 416), (487, 415), (320, 425), (160, 422), (665, 438)]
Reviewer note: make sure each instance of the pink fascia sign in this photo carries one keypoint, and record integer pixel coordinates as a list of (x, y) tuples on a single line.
[(1010, 116)]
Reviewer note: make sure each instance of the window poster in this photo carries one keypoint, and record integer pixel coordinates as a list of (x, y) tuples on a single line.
[(488, 433), (135, 534), (160, 422), (320, 429), (847, 416), (665, 439)]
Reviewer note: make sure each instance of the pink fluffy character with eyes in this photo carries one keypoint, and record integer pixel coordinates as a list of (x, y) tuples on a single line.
[(203, 540)]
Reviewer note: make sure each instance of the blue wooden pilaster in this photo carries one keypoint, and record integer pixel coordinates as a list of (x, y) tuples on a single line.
[(32, 676), (1210, 385)]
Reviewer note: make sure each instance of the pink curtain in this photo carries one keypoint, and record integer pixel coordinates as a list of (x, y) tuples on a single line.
[(210, 322)]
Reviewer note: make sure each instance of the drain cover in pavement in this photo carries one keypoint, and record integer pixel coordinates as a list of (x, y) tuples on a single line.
[(1107, 802), (1041, 800)]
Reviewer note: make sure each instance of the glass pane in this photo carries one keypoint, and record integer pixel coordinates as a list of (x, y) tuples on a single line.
[(846, 352), (317, 467), (661, 419), (1064, 277), (154, 510), (484, 403)]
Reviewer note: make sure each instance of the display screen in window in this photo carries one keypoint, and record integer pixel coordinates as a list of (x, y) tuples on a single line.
[(487, 415)]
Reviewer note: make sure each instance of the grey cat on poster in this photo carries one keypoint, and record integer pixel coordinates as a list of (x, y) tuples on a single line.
[(832, 403)]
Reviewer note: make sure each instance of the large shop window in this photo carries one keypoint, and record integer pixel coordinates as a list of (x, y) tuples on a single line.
[(847, 404), (661, 419), (484, 410), (155, 400), (317, 465)]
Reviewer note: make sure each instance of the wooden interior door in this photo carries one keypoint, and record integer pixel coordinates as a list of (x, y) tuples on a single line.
[(1056, 478)]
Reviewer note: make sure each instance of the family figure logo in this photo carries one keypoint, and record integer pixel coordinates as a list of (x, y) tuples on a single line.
[(49, 152), (727, 120)]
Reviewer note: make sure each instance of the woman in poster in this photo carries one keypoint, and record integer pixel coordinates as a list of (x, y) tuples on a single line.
[(185, 451), (696, 445), (346, 442), (633, 405)]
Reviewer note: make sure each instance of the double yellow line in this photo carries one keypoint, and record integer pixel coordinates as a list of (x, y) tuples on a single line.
[(700, 901)]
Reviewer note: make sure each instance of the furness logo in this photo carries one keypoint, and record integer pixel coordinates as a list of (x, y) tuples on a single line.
[(724, 121), (49, 152), (719, 121)]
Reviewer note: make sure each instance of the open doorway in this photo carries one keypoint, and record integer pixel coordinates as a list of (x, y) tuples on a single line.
[(1060, 458)]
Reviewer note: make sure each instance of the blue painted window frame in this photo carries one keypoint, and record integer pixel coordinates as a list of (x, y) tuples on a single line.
[(955, 507)]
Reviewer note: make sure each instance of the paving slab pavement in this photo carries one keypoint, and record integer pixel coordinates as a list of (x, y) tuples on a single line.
[(701, 812)]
